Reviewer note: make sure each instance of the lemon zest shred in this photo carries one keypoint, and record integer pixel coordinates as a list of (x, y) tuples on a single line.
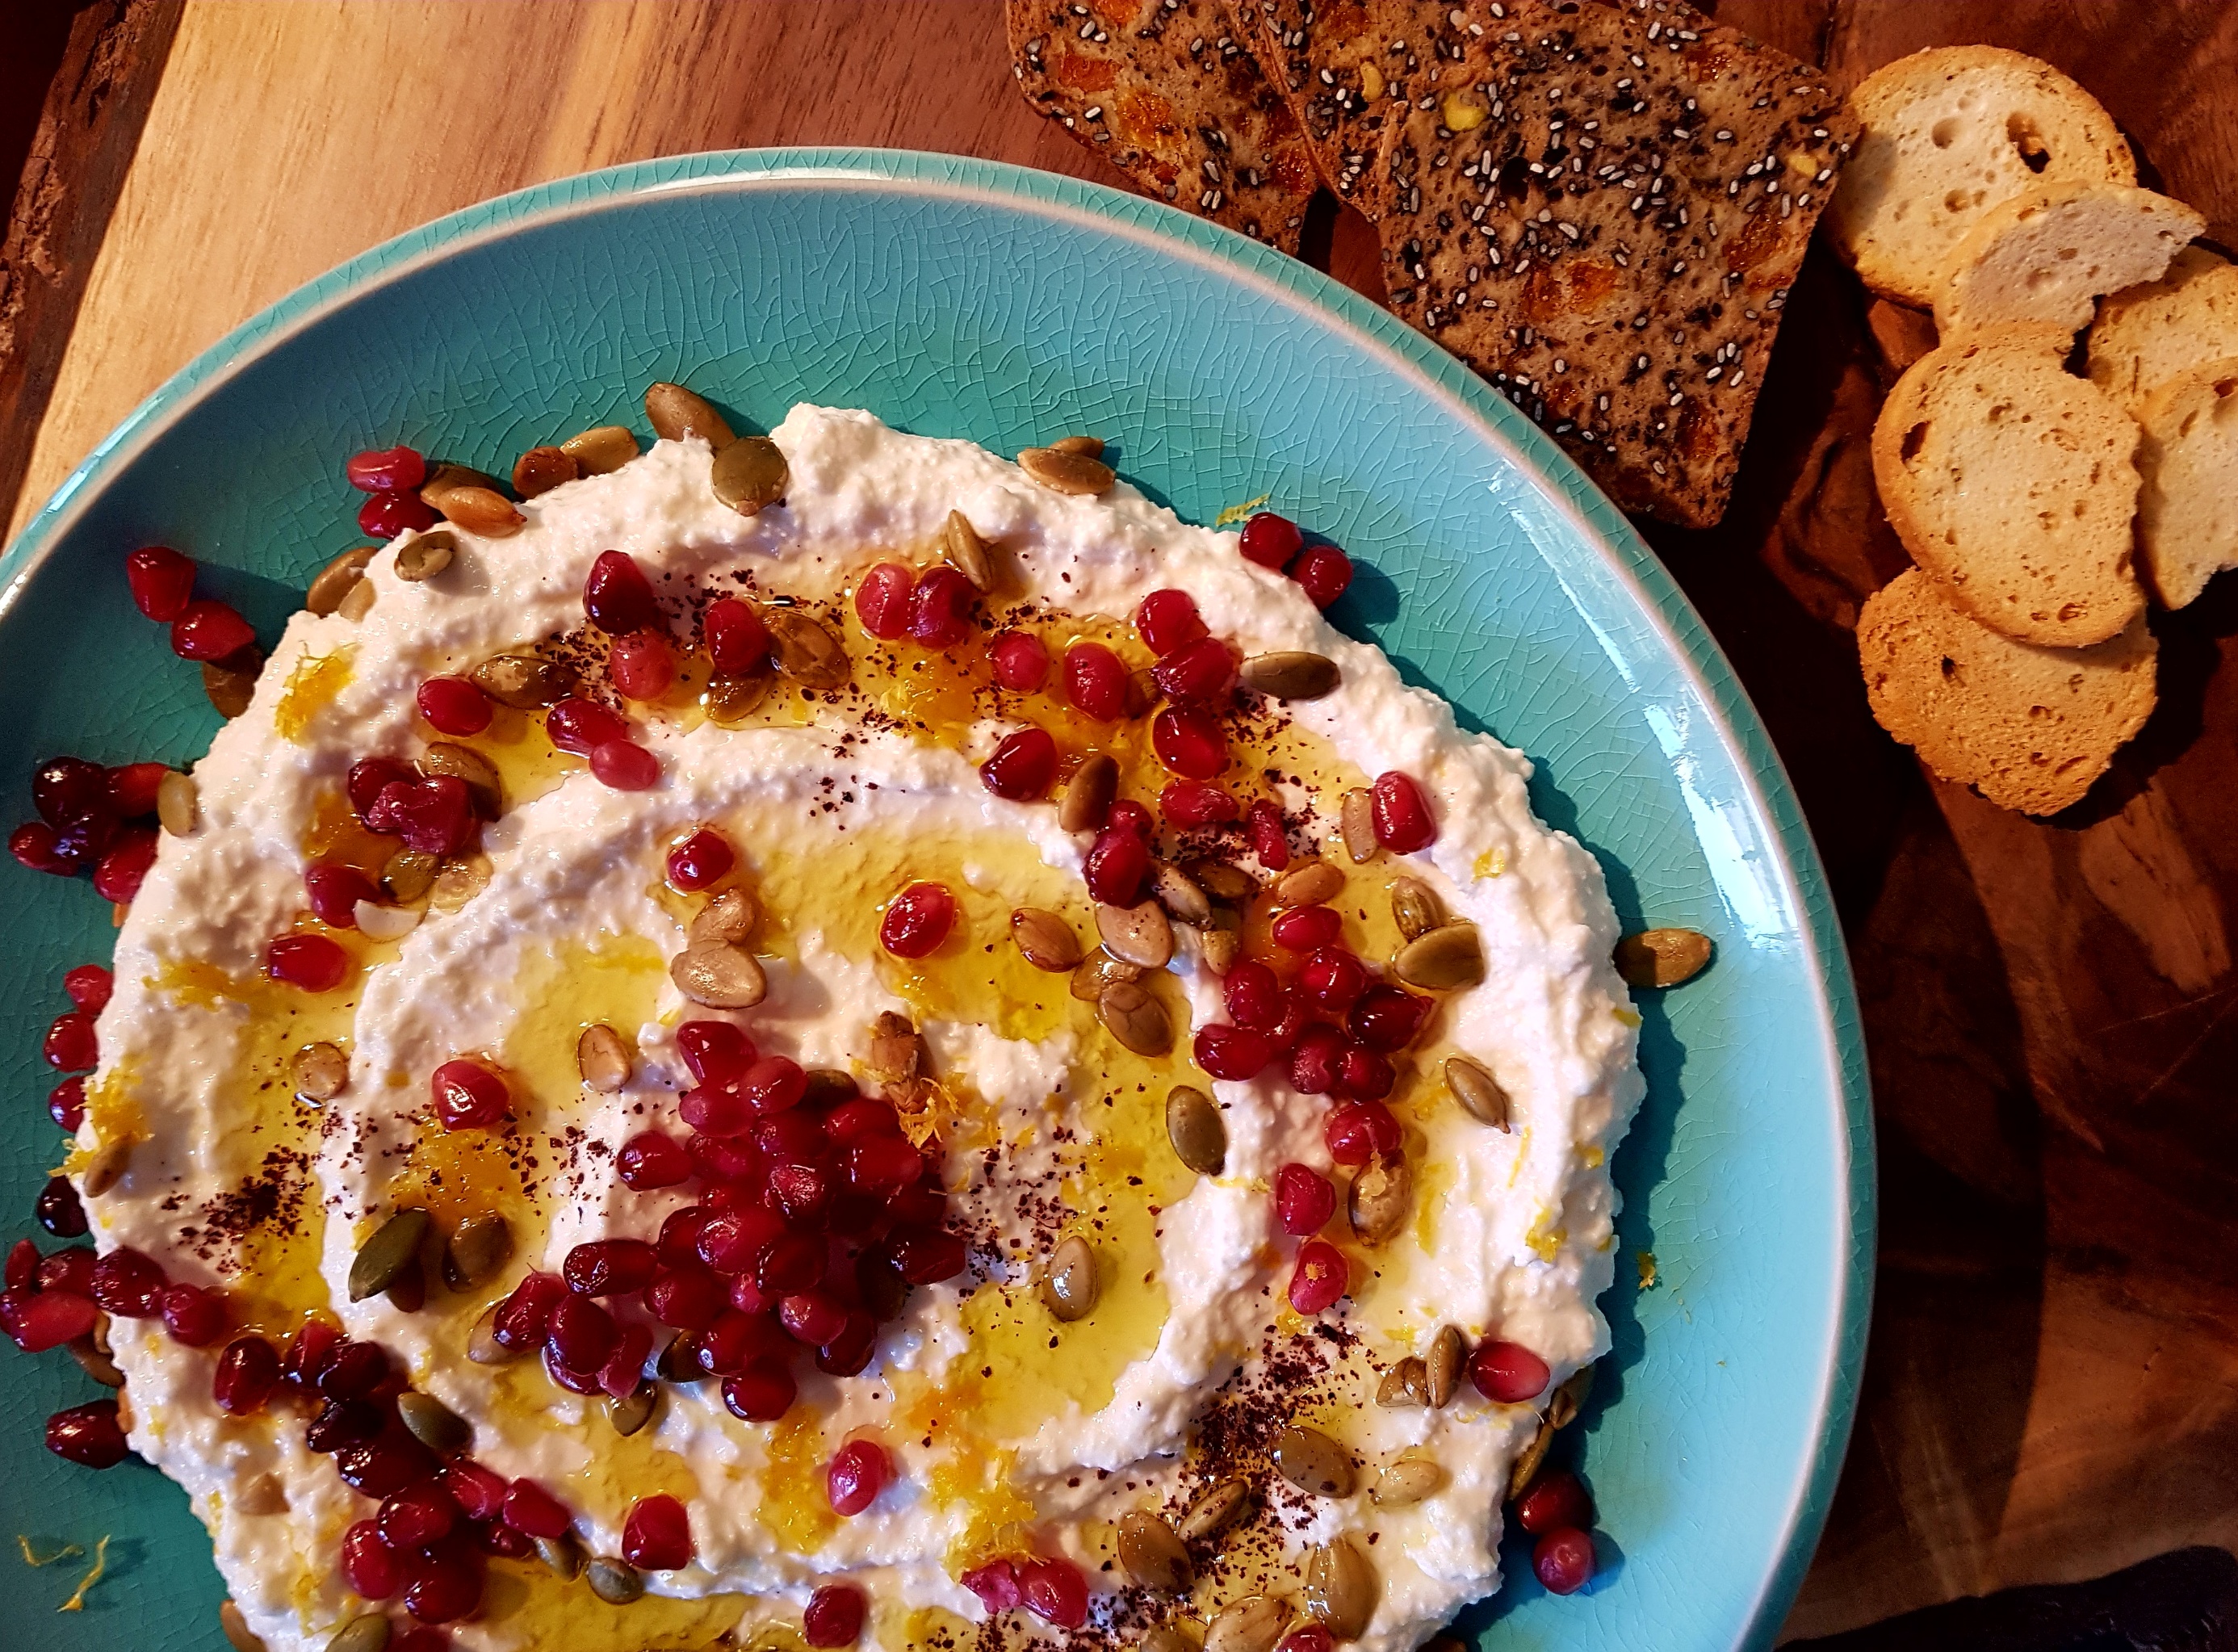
[(1646, 1262), (1629, 1018), (1491, 863), (76, 1602), (1236, 513), (311, 687), (32, 1559)]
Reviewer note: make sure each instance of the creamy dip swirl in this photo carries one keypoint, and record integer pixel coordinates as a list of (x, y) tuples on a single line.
[(1009, 1432)]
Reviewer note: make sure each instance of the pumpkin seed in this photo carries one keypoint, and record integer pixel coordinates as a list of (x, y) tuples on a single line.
[(1443, 1365), (1221, 940), (1406, 1483), (463, 763), (408, 874), (1069, 1286), (730, 916), (336, 581), (1252, 1624), (1195, 1127), (1406, 1384), (1143, 693), (675, 412), (262, 1496), (1341, 1588), (1135, 1018), (178, 803), (367, 1633), (1223, 882), (1477, 1091), (750, 475), (1447, 958), (1569, 1397), (1357, 822), (675, 1363), (479, 1246), (1164, 1638), (541, 469), (826, 1087), (482, 1345), (435, 1424), (1154, 1556), (479, 510), (106, 1168), (358, 603), (733, 700), (1312, 1462), (1414, 908), (1290, 675), (424, 555), (1662, 956), (232, 687), (1382, 1195), (381, 1260), (319, 1072), (805, 649), (719, 974), (897, 1051), (1222, 1505), (632, 1411), (615, 1582), (443, 475), (379, 923), (562, 1555), (1046, 940), (1138, 935), (602, 1059), (1310, 884), (458, 880), (1091, 446), (884, 1290), (523, 681), (966, 551), (1088, 794), (96, 1362), (1526, 1464), (1099, 971), (601, 448), (1066, 473), (1180, 896), (238, 1634)]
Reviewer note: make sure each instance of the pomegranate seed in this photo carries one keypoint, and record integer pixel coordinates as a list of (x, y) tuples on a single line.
[(380, 1468), (1564, 1560), (493, 1537), (919, 919), (858, 1471), (163, 582), (625, 1367), (582, 725), (1095, 681), (730, 1241), (443, 1588), (579, 1333), (1192, 804), (57, 1209), (65, 790), (799, 1192), (370, 776), (775, 1082), (688, 1298), (1403, 823), (1117, 866), (71, 1045), (656, 1535), (1190, 740), (1359, 1131), (882, 600), (89, 1435), (1311, 1638), (928, 1259), (761, 1393), (715, 1112), (453, 705), (923, 1206), (354, 1371), (847, 1352), (1321, 1276), (309, 1355), (210, 631), (23, 1261), (679, 1242), (618, 598), (385, 470), (418, 1517), (125, 866), (248, 1371), (1023, 766), (1269, 839), (1233, 1052), (812, 1317), (1167, 619), (342, 1422), (1507, 1372), (369, 1565), (1306, 929), (1363, 1075), (609, 1268), (88, 987), (1324, 571), (641, 666), (35, 845), (334, 893), (834, 1616), (435, 816), (132, 788), (883, 1161), (700, 861), (861, 1119), (127, 1284), (650, 1160), (995, 1584), (1557, 1498), (66, 1103), (1127, 815), (625, 767), (312, 962), (1055, 1590), (195, 1317), (468, 1096), (1270, 541), (1254, 995), (738, 643), (478, 1491), (530, 1508), (1200, 673), (1304, 1201), (940, 608), (68, 1270), (737, 1339), (718, 1052), (1334, 978), (1020, 661), (37, 1320), (1387, 1018), (386, 515)]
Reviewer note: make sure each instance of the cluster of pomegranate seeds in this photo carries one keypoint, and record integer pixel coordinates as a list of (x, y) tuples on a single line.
[(1273, 541), (1557, 1509), (1051, 1586), (203, 629), (390, 478), (92, 819)]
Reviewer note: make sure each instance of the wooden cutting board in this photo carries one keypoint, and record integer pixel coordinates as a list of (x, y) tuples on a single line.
[(2051, 1007)]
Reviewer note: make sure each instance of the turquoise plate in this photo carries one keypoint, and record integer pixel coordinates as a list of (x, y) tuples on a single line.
[(958, 298)]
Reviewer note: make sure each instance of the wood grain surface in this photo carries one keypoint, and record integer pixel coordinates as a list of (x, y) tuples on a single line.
[(2052, 1388)]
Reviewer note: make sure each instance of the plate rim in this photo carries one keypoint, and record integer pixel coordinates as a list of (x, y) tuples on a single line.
[(1322, 301)]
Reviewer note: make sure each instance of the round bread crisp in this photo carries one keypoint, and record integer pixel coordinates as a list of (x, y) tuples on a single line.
[(2012, 482), (1950, 133), (2146, 336), (2187, 510), (2030, 728), (2043, 257)]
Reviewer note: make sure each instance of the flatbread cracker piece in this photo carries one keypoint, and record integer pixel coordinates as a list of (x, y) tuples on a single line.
[(2188, 511), (2146, 336), (2045, 257)]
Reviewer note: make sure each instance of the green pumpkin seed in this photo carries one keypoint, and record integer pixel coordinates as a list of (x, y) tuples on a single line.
[(524, 681), (1088, 794), (1091, 446), (615, 1582), (1098, 972), (1135, 1018), (1312, 1462), (719, 974), (1196, 1129), (407, 877), (1662, 956), (1526, 1468), (562, 1555), (1220, 1507), (463, 763), (1165, 1638), (805, 650), (541, 469), (1154, 1556), (1067, 473), (632, 1411), (1068, 1288), (443, 476), (1569, 1397), (602, 1059), (730, 916), (675, 1363), (750, 475), (1291, 674), (381, 1260), (602, 448), (337, 579), (675, 412), (1180, 896), (96, 1363), (1407, 1482), (966, 551), (1406, 1384), (1477, 1091), (106, 1168), (1138, 935), (827, 1088), (178, 803), (1443, 1365), (1356, 819), (1446, 959), (262, 1496), (1046, 940), (1252, 1624), (425, 555), (481, 1243), (1341, 1588), (231, 687), (1414, 908), (1220, 941), (367, 1633), (459, 880), (435, 1424), (358, 603), (482, 1345), (1382, 1195), (1311, 885), (1223, 882), (319, 1072), (731, 701), (238, 1634)]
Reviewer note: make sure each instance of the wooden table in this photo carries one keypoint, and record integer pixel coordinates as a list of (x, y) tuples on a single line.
[(2052, 1391)]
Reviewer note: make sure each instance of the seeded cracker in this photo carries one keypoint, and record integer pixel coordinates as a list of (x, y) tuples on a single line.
[(1162, 90), (1601, 210)]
